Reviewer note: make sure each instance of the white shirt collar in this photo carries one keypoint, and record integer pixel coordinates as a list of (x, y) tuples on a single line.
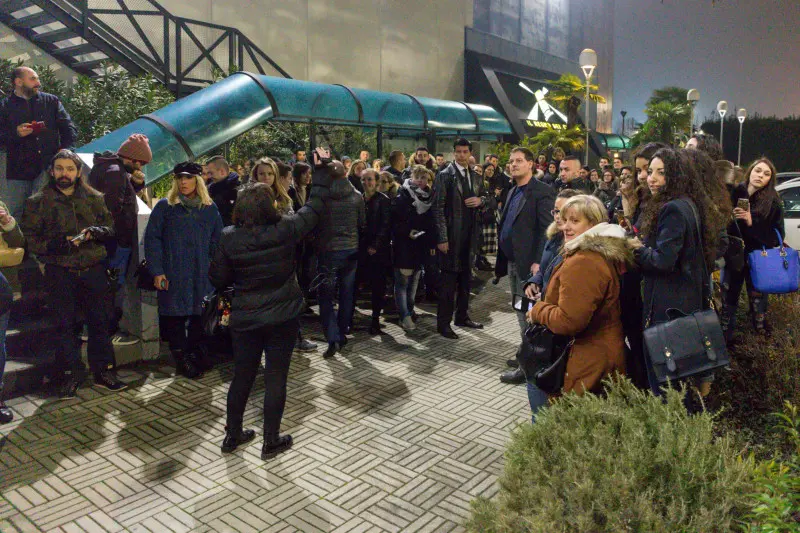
[(460, 168)]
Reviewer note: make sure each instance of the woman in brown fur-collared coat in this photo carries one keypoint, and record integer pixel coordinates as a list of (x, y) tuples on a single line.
[(582, 298)]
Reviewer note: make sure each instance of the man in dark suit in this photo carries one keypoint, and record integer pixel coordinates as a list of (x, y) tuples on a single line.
[(522, 233), (458, 195)]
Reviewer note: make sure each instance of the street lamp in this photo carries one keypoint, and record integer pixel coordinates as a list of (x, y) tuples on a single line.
[(693, 96), (623, 113), (588, 62), (722, 108), (741, 115)]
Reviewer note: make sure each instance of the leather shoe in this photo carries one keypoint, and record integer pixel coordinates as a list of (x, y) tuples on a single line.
[(271, 449), (6, 415), (331, 351), (513, 377), (448, 333), (513, 363), (236, 437), (468, 323)]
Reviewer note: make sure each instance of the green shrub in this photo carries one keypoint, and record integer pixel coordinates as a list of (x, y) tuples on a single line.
[(628, 462)]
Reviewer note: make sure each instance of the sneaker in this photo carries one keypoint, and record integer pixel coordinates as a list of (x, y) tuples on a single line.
[(305, 346), (6, 415), (108, 380), (69, 387), (85, 334), (408, 324), (124, 339)]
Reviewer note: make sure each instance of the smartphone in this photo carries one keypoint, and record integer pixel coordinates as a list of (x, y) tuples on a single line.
[(37, 127), (743, 204), (522, 304)]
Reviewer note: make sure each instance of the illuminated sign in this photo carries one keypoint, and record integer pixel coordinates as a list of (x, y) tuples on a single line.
[(542, 114)]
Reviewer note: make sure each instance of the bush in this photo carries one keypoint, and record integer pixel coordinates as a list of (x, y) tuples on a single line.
[(628, 462)]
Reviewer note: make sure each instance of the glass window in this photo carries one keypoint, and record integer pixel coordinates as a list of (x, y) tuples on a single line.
[(791, 202)]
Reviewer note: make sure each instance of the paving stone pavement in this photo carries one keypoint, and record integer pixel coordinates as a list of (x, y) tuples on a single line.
[(398, 433)]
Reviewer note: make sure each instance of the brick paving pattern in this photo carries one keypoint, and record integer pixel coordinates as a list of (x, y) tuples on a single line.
[(399, 433)]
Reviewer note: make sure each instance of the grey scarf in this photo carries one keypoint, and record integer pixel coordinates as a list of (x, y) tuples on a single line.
[(190, 203), (421, 198)]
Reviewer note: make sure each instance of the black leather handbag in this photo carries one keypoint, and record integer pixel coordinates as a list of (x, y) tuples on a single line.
[(216, 312), (145, 280), (687, 344), (734, 255), (544, 358)]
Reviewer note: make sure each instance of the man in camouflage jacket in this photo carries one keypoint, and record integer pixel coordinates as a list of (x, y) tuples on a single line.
[(65, 225)]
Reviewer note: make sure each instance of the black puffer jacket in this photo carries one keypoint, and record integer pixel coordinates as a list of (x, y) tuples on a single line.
[(224, 195), (343, 219), (260, 264), (377, 231), (110, 177)]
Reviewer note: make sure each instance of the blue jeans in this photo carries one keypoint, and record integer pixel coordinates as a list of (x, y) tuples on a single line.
[(17, 191), (537, 398), (337, 268), (6, 299), (405, 291)]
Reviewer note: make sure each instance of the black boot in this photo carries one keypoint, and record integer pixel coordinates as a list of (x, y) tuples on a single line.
[(727, 319), (185, 365), (235, 437), (375, 326), (279, 445), (6, 415)]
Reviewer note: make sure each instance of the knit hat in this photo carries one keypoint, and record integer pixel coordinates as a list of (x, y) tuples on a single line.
[(137, 147)]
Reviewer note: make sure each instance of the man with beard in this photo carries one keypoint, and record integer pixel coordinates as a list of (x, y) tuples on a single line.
[(33, 127), (66, 225), (113, 175)]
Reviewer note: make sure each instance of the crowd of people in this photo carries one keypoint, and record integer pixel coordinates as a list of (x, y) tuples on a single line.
[(596, 254)]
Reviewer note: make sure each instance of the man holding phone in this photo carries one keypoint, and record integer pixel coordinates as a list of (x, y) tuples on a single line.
[(33, 127)]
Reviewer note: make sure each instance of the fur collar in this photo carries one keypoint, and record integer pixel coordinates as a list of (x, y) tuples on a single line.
[(608, 240)]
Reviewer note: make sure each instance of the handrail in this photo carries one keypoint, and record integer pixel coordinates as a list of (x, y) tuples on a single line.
[(177, 54)]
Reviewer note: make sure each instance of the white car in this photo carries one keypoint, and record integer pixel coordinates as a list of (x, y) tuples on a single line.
[(790, 193)]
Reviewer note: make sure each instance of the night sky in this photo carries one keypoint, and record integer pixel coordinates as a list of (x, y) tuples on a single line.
[(744, 51)]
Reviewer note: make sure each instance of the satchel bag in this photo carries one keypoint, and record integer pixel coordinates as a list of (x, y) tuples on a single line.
[(216, 313), (145, 280), (774, 270), (734, 254), (688, 344), (544, 359)]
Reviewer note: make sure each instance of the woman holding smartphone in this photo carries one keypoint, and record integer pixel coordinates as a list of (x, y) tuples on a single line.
[(757, 213)]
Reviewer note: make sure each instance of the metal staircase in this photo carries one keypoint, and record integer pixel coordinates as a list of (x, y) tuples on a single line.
[(139, 35)]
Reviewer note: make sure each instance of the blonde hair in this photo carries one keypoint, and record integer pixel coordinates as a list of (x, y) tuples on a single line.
[(173, 196), (282, 198), (393, 185), (352, 171), (418, 171), (589, 207)]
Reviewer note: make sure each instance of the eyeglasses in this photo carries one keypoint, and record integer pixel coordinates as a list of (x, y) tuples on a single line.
[(555, 212)]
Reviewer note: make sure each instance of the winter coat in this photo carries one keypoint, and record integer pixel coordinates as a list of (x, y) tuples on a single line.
[(549, 179), (582, 185), (343, 219), (529, 228), (672, 265), (397, 174), (179, 243), (260, 263), (605, 195), (29, 156), (224, 194), (110, 177), (551, 258), (12, 234), (454, 222), (410, 253), (582, 301), (50, 216), (377, 232), (762, 232)]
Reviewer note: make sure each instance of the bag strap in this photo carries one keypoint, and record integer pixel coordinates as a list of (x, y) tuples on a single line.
[(780, 239), (706, 276)]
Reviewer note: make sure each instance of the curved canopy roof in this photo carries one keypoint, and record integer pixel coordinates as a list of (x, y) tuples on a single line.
[(612, 141), (199, 123)]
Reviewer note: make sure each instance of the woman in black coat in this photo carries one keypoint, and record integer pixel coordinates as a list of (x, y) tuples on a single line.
[(758, 214), (675, 259), (375, 253), (257, 256), (413, 241)]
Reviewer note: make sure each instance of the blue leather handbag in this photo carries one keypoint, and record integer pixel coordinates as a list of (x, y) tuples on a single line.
[(775, 270)]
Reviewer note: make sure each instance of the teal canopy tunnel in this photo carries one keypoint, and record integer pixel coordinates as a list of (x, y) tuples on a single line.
[(207, 119)]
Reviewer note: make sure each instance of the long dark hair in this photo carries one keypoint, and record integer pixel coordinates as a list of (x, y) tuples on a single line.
[(703, 167), (763, 199), (681, 181), (645, 151), (79, 181), (255, 206)]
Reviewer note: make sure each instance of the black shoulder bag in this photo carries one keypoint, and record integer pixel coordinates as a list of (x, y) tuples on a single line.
[(544, 358), (216, 312), (688, 344)]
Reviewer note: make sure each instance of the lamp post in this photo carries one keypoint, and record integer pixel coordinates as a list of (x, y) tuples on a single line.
[(722, 108), (588, 62), (741, 115), (693, 96), (623, 113)]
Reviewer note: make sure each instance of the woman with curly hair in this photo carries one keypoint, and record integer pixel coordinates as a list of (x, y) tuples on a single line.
[(266, 171), (674, 258)]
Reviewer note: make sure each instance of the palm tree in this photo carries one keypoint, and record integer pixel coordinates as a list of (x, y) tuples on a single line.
[(568, 86), (571, 140), (675, 95), (665, 120)]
